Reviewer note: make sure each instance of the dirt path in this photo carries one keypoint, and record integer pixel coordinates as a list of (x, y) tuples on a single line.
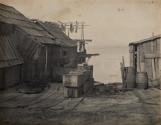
[(149, 109), (138, 107)]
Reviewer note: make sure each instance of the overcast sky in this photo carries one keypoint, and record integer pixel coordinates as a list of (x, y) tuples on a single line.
[(112, 22)]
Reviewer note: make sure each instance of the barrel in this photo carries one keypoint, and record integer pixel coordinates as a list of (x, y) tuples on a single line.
[(142, 80), (130, 77)]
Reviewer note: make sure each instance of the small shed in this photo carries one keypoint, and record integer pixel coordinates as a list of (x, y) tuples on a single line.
[(145, 56)]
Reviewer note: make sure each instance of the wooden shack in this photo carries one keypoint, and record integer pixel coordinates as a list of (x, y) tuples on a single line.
[(39, 48), (45, 50), (145, 56)]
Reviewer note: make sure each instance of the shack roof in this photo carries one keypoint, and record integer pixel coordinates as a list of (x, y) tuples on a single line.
[(10, 15), (54, 30), (145, 40), (8, 53)]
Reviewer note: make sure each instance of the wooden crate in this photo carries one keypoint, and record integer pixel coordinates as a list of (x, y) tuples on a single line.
[(78, 81), (73, 80)]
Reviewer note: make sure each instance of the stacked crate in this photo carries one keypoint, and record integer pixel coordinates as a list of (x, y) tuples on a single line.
[(73, 84), (78, 82)]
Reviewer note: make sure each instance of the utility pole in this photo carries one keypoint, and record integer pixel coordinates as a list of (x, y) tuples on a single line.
[(74, 27)]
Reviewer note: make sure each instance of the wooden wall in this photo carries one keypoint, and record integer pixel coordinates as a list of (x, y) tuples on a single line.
[(35, 68), (132, 55), (60, 60), (10, 76), (148, 58), (148, 50)]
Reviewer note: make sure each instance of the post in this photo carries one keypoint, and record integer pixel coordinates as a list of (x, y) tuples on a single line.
[(123, 61), (46, 61)]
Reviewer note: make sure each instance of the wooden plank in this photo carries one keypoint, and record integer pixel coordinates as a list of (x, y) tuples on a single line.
[(142, 67), (159, 45), (122, 64), (132, 63), (138, 59), (156, 62), (159, 61), (123, 61), (148, 67), (131, 49), (152, 55), (153, 69), (159, 64), (152, 45), (155, 47), (122, 72)]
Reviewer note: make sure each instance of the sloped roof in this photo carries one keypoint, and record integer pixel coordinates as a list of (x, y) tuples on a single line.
[(54, 30), (146, 40), (11, 16), (8, 53)]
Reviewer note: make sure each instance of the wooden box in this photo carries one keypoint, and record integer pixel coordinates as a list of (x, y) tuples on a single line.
[(73, 79)]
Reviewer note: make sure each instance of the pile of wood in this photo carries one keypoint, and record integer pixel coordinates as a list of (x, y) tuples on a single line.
[(78, 82)]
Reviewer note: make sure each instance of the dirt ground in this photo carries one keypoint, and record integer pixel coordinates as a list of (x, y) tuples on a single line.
[(107, 105)]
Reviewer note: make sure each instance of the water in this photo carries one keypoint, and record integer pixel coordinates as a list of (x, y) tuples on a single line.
[(107, 65)]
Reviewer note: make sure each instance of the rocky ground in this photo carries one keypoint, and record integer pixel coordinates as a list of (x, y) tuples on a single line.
[(107, 105)]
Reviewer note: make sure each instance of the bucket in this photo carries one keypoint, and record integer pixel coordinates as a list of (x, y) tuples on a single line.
[(130, 77), (142, 80)]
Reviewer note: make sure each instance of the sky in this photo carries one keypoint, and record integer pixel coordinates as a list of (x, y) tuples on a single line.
[(112, 22)]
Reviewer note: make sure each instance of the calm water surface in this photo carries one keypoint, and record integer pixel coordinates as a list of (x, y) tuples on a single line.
[(107, 65)]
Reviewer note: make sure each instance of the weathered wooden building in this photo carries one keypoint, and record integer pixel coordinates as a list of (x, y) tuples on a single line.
[(39, 48), (145, 56)]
